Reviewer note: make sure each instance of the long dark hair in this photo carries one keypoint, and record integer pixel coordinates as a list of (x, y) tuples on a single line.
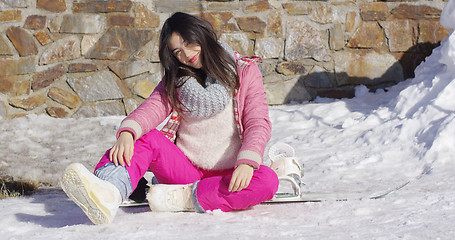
[(216, 62)]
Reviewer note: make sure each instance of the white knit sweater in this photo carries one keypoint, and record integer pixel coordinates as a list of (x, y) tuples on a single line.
[(211, 142)]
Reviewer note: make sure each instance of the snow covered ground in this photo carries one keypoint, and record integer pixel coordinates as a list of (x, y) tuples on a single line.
[(369, 144)]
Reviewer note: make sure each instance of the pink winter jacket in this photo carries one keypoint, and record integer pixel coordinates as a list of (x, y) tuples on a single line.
[(254, 124)]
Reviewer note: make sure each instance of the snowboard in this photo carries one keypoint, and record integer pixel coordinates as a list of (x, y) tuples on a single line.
[(307, 196), (138, 197)]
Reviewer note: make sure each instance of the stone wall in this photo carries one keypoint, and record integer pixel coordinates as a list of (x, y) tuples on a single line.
[(71, 58)]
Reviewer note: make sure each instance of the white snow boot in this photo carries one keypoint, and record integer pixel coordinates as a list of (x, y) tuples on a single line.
[(170, 198), (99, 199), (287, 169)]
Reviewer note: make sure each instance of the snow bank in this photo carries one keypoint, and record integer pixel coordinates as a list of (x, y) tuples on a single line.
[(448, 15)]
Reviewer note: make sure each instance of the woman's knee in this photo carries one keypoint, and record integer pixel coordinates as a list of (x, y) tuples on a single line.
[(269, 179)]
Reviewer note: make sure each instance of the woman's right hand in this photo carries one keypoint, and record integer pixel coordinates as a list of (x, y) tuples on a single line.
[(123, 150)]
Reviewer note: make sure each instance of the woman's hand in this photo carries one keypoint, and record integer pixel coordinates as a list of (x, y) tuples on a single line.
[(123, 150), (241, 177)]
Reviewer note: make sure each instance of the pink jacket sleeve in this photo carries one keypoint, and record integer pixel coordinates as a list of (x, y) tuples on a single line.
[(148, 115), (253, 115)]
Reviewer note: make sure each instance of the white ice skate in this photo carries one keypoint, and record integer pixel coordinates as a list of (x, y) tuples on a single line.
[(98, 199), (288, 170)]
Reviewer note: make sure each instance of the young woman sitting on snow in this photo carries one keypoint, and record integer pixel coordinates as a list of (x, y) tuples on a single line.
[(209, 154)]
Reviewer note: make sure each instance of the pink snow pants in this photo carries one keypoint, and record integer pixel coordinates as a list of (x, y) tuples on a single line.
[(168, 163)]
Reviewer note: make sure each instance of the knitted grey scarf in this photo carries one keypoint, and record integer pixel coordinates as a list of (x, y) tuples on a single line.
[(203, 102), (200, 101)]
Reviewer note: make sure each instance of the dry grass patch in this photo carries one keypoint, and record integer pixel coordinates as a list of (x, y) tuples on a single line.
[(12, 188)]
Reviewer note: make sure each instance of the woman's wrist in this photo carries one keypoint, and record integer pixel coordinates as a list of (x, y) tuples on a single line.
[(126, 134), (246, 164)]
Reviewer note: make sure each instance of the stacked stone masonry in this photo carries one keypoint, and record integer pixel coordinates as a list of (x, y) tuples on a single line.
[(88, 58)]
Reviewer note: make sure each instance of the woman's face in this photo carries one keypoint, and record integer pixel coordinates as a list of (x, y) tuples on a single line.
[(187, 53)]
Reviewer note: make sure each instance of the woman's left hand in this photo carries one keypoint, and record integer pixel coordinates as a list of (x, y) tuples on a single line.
[(241, 177)]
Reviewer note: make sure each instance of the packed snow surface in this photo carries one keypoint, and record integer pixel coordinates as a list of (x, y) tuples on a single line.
[(363, 146)]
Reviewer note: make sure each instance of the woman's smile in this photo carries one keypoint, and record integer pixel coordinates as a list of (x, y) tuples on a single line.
[(194, 58)]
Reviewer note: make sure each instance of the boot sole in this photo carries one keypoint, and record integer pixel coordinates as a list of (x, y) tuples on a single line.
[(77, 188)]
